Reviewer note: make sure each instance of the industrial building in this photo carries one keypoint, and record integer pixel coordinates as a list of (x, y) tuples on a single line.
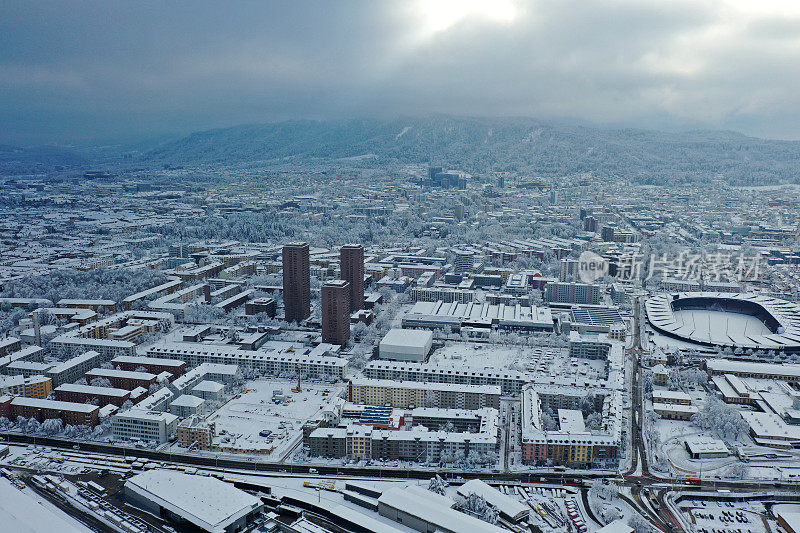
[(206, 502), (480, 316), (425, 511), (406, 345)]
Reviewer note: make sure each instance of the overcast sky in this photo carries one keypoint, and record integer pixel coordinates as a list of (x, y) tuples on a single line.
[(94, 71)]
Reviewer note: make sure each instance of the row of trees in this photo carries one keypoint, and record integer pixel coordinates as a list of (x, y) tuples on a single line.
[(101, 283)]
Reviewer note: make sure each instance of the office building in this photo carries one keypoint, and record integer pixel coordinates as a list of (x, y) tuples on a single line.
[(146, 426), (336, 312), (352, 266), (463, 262), (296, 282)]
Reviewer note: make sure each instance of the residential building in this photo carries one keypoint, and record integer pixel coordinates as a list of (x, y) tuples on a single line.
[(352, 269), (336, 312), (296, 282)]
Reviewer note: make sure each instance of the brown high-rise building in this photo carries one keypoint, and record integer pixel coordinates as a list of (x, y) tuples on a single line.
[(336, 311), (296, 282), (352, 265)]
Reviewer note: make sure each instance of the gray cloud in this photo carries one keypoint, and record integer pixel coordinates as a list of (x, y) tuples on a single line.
[(86, 71)]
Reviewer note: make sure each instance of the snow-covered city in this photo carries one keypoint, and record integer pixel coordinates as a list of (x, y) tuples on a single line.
[(429, 266)]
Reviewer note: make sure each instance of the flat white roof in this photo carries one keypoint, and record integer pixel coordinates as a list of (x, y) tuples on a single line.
[(705, 445), (109, 372), (54, 404), (89, 389), (187, 400), (205, 501), (208, 386), (417, 338), (141, 414)]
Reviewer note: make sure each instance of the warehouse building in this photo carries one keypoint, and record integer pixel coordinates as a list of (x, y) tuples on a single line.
[(508, 507), (425, 511), (406, 345), (206, 502)]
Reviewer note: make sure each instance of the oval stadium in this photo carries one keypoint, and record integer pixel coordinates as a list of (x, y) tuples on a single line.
[(747, 321)]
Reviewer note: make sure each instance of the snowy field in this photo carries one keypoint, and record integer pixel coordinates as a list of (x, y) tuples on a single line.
[(24, 511), (541, 359), (702, 320), (239, 422)]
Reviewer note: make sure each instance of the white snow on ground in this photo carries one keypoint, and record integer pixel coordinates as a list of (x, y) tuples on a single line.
[(23, 511), (718, 322), (545, 359), (722, 517), (239, 421)]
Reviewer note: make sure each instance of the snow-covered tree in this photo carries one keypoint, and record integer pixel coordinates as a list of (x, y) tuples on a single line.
[(438, 485)]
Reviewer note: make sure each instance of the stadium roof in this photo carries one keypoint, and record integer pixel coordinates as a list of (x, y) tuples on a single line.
[(784, 337)]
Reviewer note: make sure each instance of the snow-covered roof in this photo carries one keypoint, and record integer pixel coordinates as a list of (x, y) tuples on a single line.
[(784, 317), (37, 403), (112, 372), (508, 506), (89, 389), (208, 386), (433, 509), (698, 444), (204, 501), (418, 338), (727, 366), (187, 400), (617, 526), (419, 385)]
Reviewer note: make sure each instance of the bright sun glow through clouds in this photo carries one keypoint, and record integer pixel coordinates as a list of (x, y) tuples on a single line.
[(441, 15)]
